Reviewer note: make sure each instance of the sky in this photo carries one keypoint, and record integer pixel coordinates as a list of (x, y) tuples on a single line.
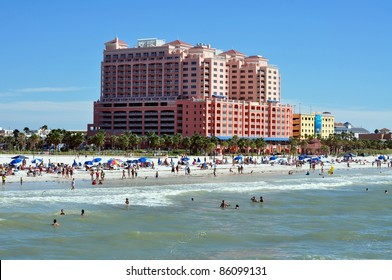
[(333, 55)]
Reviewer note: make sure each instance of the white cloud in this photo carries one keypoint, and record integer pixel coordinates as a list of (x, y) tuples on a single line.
[(34, 114)]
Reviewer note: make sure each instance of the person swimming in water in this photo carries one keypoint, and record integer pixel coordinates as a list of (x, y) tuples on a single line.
[(224, 204), (127, 201), (82, 213), (62, 212), (261, 199), (237, 207), (55, 223), (253, 199)]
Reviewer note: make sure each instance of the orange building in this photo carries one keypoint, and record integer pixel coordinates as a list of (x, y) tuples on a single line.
[(176, 87)]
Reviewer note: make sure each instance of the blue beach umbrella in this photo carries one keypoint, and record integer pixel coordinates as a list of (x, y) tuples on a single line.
[(88, 163), (238, 158), (16, 161), (20, 157), (97, 159), (37, 160), (142, 159)]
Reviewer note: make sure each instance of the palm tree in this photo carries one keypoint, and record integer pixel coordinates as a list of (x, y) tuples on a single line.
[(152, 139), (134, 141), (293, 145), (123, 141), (100, 139), (177, 138), (33, 141), (186, 143), (260, 145), (55, 137), (113, 141), (21, 141)]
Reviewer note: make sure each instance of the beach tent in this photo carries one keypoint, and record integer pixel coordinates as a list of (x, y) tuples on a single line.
[(74, 163), (381, 157)]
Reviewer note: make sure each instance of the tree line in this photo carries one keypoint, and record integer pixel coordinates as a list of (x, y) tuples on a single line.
[(63, 140)]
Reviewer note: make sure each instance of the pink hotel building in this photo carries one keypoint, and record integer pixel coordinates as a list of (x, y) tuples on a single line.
[(176, 87)]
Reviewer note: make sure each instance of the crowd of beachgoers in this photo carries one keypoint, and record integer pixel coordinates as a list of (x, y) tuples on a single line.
[(22, 168)]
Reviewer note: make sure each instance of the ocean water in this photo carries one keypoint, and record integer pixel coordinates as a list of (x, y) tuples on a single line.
[(302, 217)]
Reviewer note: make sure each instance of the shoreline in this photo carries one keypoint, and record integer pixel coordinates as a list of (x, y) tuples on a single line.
[(146, 175)]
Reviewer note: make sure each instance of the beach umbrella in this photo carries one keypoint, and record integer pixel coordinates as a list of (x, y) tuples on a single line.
[(114, 161), (97, 159), (74, 163), (16, 161), (273, 158), (238, 158), (88, 163), (132, 161), (142, 159), (20, 157), (37, 160), (186, 158)]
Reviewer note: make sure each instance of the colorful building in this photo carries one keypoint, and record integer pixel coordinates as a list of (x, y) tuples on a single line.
[(176, 87), (315, 124)]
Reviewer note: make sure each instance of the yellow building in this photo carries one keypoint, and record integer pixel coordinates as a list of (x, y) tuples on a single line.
[(315, 124)]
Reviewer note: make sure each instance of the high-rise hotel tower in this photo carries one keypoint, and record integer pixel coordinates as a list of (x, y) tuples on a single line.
[(176, 87)]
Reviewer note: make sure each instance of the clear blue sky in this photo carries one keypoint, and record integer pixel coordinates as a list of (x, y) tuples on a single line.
[(333, 55)]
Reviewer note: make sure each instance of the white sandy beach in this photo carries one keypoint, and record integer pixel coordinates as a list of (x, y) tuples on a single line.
[(165, 171)]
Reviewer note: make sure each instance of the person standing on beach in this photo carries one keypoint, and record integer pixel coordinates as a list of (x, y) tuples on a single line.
[(123, 174), (73, 184)]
